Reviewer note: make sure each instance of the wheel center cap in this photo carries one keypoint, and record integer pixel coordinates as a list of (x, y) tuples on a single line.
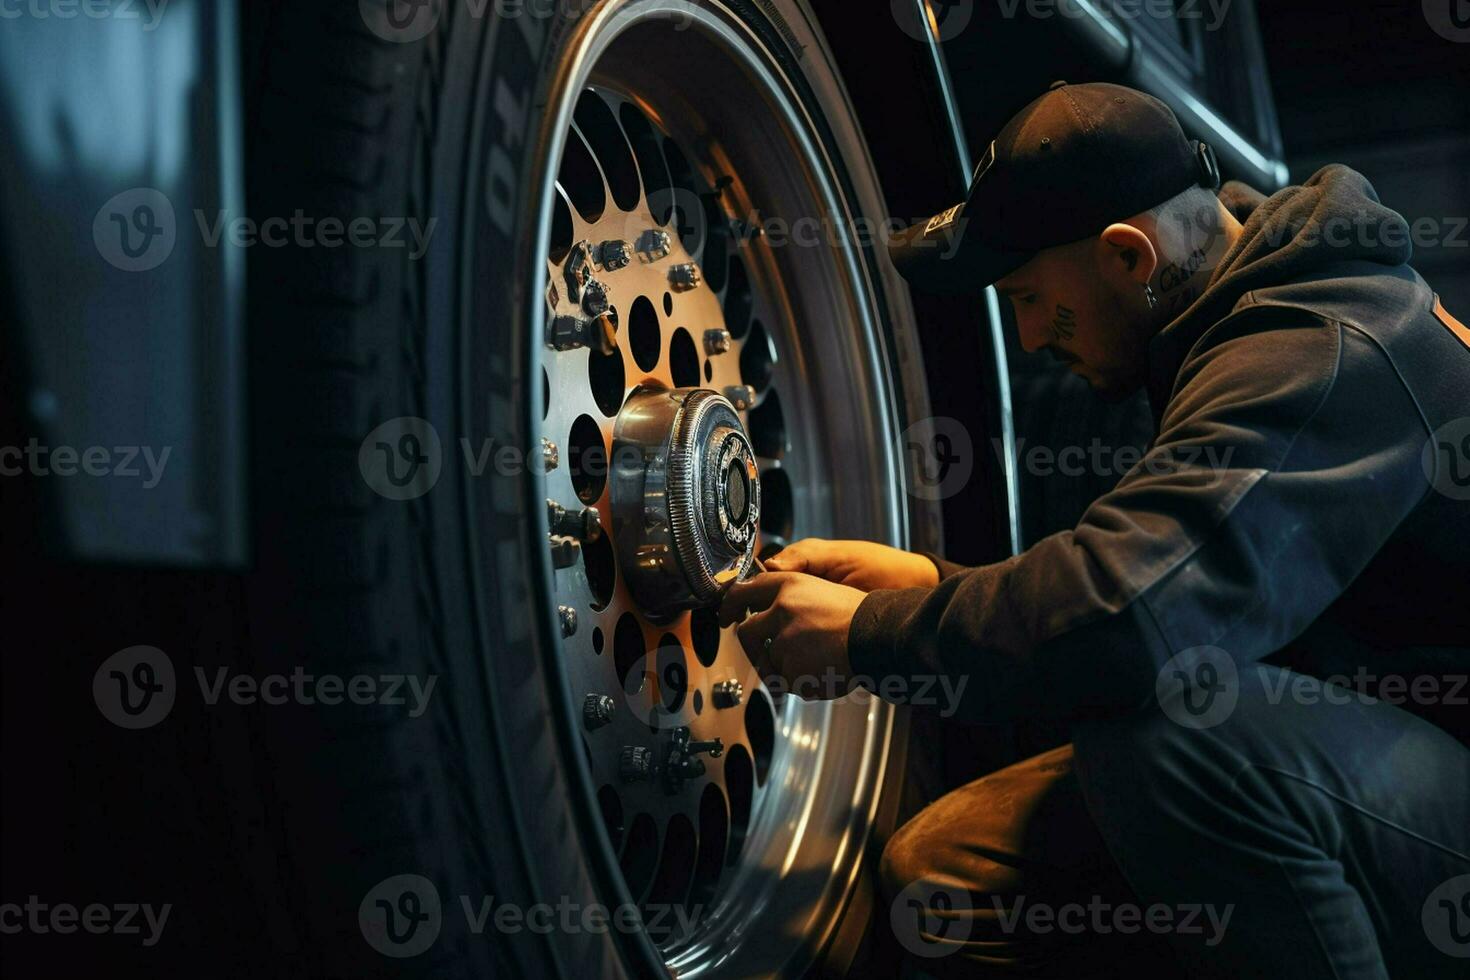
[(685, 494), (735, 496), (736, 489)]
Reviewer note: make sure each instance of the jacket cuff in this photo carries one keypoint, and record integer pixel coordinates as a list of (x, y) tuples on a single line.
[(946, 568), (872, 649)]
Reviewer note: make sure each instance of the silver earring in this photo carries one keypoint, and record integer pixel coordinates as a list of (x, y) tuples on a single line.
[(1148, 294)]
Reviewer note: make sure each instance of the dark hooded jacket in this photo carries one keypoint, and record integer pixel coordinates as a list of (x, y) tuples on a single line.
[(1306, 497)]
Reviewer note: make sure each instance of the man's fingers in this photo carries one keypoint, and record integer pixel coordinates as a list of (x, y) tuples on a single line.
[(732, 608), (753, 634), (787, 562), (754, 594), (801, 556)]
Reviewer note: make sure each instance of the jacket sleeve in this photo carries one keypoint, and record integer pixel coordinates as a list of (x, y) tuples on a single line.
[(1284, 460), (944, 565)]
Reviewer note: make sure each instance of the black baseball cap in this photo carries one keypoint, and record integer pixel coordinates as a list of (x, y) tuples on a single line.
[(1071, 163)]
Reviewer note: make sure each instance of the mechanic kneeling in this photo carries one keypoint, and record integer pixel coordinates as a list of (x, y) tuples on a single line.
[(1303, 512)]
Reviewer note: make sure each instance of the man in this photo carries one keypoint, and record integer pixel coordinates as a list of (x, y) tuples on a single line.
[(1301, 513)]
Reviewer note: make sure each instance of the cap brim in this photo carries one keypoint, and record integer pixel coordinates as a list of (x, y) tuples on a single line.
[(940, 256)]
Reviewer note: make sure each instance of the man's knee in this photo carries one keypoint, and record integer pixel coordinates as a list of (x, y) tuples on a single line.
[(986, 835), (998, 849), (913, 853)]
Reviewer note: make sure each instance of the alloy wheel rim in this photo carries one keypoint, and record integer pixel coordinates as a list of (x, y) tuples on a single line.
[(789, 799)]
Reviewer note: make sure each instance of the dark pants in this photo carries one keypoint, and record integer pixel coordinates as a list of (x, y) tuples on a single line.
[(1312, 833)]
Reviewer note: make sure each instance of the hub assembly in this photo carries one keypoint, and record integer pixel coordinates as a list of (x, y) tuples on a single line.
[(686, 497)]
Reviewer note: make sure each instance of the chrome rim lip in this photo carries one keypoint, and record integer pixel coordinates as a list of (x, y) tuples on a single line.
[(753, 904)]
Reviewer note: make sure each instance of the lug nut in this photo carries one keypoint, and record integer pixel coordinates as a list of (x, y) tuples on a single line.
[(654, 244), (578, 271), (565, 552), (728, 694), (741, 396), (571, 332), (550, 455), (584, 524), (614, 254), (716, 341), (567, 333), (594, 298), (635, 763), (568, 618), (684, 276), (597, 710)]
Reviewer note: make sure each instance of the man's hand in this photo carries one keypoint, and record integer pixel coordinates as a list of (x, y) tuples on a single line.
[(859, 564), (806, 620)]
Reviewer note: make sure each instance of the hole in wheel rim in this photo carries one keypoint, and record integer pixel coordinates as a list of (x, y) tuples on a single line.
[(738, 299), (601, 567), (605, 137), (704, 631), (651, 167), (714, 837), (580, 179), (686, 210), (628, 653), (587, 463), (644, 338), (715, 260), (740, 783), (605, 377), (639, 859), (757, 358), (672, 881), (683, 360), (760, 728)]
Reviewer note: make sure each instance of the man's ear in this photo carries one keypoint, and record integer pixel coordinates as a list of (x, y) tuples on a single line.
[(1128, 251)]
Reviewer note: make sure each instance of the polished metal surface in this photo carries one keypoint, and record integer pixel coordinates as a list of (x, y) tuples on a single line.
[(782, 815), (685, 498)]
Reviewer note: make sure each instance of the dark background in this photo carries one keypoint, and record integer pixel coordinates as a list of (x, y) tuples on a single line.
[(1370, 85)]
